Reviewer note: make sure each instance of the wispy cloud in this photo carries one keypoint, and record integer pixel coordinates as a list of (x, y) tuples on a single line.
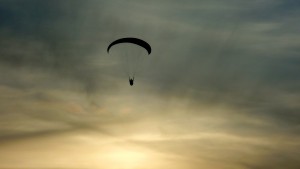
[(220, 90)]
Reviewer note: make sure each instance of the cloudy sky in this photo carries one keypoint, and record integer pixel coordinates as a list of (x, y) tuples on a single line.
[(221, 88)]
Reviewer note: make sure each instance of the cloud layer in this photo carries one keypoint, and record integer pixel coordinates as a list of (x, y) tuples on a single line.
[(221, 88)]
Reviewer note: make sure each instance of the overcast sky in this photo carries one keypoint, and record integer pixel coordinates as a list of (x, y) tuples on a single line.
[(221, 88)]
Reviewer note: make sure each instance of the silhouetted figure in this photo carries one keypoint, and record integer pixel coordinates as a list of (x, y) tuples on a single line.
[(131, 81)]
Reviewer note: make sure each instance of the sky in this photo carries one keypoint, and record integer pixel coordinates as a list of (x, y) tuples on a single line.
[(221, 88)]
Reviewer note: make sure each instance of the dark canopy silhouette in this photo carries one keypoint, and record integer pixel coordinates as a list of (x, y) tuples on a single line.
[(131, 40), (133, 59)]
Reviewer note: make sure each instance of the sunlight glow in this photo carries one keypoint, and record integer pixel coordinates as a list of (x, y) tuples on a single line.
[(126, 159)]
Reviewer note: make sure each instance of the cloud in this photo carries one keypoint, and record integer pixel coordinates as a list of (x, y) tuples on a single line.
[(220, 89)]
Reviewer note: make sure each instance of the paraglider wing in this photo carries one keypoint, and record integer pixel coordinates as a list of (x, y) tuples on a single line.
[(131, 40)]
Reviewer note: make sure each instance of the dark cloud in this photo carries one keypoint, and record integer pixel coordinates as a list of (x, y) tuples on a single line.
[(55, 37)]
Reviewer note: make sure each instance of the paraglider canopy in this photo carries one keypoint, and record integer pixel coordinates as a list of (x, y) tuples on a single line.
[(131, 40)]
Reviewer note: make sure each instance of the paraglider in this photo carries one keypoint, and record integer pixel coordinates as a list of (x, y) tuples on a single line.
[(132, 60), (131, 81)]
